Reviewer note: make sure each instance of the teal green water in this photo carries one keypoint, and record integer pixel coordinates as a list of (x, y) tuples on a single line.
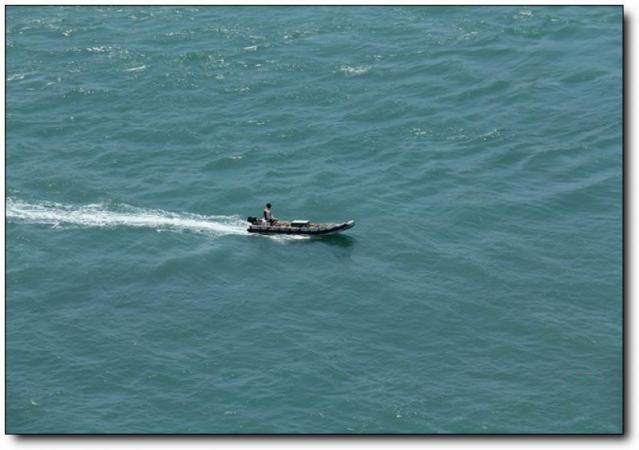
[(478, 149)]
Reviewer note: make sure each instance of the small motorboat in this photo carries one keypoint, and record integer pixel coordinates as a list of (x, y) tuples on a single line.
[(303, 227)]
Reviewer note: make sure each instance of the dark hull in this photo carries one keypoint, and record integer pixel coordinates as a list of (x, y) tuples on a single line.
[(313, 229)]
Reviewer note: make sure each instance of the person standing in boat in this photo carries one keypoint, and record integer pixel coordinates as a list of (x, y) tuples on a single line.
[(268, 216)]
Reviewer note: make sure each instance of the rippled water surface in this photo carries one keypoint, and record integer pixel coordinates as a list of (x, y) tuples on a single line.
[(478, 149)]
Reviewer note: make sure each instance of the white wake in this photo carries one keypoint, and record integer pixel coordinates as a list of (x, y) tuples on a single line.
[(108, 216)]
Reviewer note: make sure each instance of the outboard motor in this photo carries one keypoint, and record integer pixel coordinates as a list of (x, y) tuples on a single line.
[(252, 220)]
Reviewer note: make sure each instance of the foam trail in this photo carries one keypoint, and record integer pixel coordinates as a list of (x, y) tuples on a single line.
[(102, 216)]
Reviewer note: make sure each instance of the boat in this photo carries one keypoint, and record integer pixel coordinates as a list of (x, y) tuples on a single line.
[(300, 227)]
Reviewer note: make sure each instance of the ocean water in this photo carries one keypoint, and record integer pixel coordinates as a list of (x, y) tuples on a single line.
[(478, 149)]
